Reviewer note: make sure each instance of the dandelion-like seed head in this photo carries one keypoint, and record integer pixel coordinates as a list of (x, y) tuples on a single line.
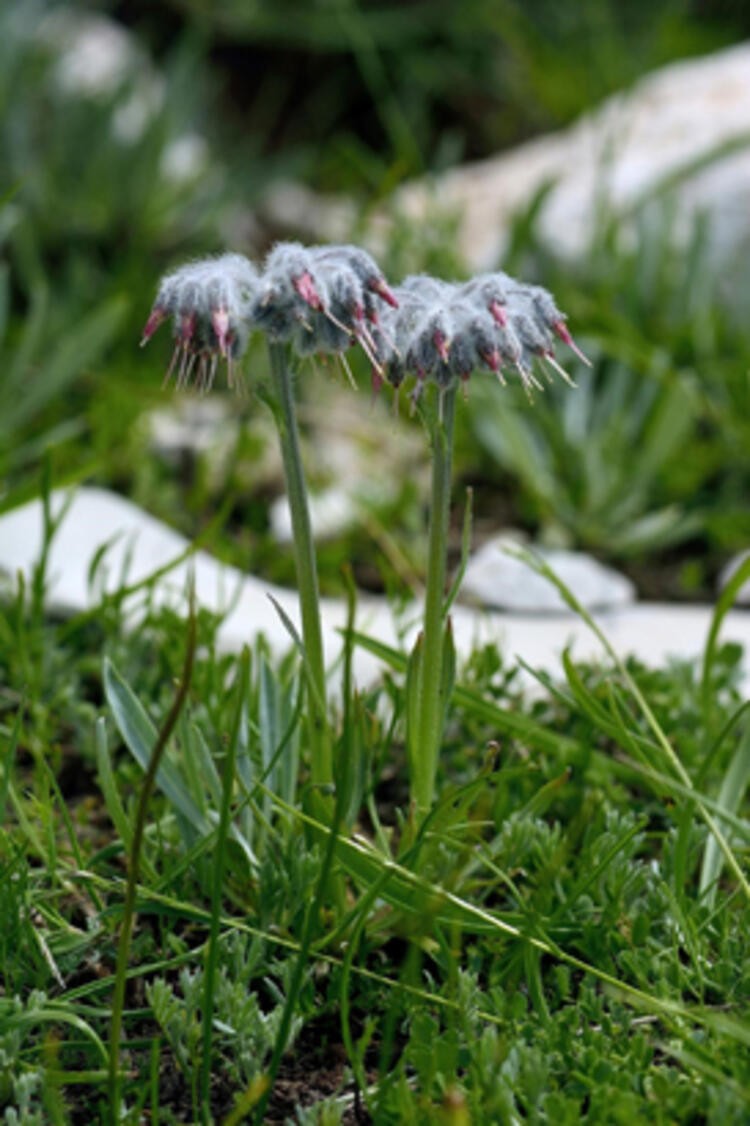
[(210, 303)]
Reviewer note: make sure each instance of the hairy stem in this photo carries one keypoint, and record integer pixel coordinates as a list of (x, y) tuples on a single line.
[(431, 705), (321, 759)]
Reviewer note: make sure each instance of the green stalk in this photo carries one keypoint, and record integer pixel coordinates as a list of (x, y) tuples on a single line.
[(430, 701), (321, 757)]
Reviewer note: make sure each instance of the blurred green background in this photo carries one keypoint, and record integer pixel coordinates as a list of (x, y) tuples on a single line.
[(134, 135)]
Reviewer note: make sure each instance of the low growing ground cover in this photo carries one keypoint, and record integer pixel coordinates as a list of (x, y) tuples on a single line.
[(562, 942)]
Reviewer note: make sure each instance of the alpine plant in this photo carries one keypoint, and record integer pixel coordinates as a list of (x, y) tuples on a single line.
[(324, 299)]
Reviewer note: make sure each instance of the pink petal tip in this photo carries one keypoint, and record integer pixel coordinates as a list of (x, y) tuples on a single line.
[(442, 345), (378, 285), (305, 287), (157, 316), (220, 324), (499, 314)]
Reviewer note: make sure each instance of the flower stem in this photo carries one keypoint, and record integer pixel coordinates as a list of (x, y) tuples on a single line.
[(431, 704), (321, 758)]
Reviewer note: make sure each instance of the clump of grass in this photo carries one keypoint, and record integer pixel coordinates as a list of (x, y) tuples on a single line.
[(551, 952)]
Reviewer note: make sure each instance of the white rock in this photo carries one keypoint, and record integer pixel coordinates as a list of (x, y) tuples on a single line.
[(139, 547), (192, 425), (135, 548), (496, 578), (331, 512), (622, 152)]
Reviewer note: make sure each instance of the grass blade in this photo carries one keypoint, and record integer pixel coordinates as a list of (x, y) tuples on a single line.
[(732, 791)]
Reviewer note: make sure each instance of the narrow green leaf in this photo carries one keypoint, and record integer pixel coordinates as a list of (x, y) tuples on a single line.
[(732, 791), (509, 722), (139, 735), (108, 785), (724, 604), (448, 670), (59, 1015)]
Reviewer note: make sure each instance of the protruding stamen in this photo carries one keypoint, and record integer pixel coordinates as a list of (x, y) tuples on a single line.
[(549, 357), (363, 333), (348, 370), (177, 351), (416, 394), (348, 330), (561, 329), (367, 344), (530, 382), (212, 370), (186, 369)]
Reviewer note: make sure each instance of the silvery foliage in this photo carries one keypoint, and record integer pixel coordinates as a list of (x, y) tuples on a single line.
[(323, 299)]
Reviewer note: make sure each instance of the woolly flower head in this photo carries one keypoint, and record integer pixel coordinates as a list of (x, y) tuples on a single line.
[(326, 298), (442, 331), (321, 298), (211, 305)]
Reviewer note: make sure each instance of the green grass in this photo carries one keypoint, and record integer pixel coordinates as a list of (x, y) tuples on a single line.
[(547, 948)]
